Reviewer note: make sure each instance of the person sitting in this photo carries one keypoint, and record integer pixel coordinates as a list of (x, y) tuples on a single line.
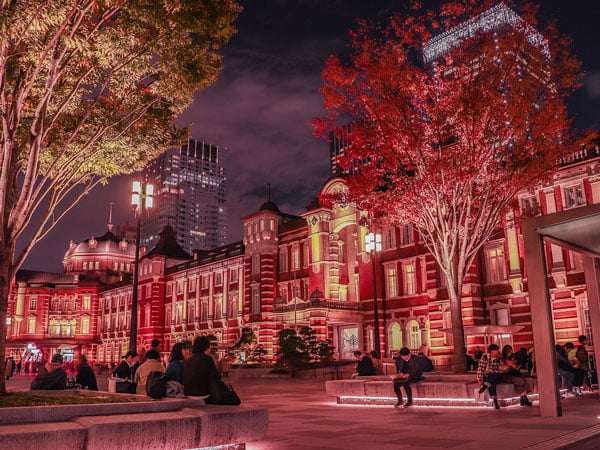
[(199, 371), (365, 367), (489, 372), (409, 371), (85, 375), (513, 375), (565, 370), (126, 371), (54, 377), (377, 363), (152, 364), (579, 375)]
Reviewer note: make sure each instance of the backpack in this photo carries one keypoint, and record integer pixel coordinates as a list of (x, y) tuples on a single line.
[(156, 385), (425, 364)]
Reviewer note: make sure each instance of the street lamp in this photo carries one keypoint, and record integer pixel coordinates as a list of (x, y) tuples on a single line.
[(142, 198), (373, 245)]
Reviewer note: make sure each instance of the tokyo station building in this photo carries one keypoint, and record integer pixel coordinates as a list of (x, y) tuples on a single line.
[(312, 269)]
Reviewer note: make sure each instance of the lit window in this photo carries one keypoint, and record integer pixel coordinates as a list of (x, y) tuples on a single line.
[(233, 276), (33, 302), (255, 299), (574, 196), (306, 255), (85, 265), (389, 238), (529, 206), (31, 325), (410, 279), (85, 324), (85, 302), (283, 260), (296, 257), (255, 264), (414, 335), (406, 236), (500, 316), (576, 260), (391, 282), (495, 264)]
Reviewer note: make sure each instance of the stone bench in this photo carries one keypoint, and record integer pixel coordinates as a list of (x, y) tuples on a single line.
[(434, 390), (175, 424)]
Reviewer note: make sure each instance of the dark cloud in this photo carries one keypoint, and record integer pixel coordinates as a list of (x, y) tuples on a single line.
[(262, 104)]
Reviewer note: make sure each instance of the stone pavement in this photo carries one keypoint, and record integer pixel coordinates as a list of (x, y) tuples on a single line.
[(301, 416)]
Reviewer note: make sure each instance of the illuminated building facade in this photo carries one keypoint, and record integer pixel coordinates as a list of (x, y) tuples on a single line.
[(291, 271), (190, 184)]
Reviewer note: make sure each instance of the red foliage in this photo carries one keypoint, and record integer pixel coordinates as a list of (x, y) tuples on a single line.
[(447, 143)]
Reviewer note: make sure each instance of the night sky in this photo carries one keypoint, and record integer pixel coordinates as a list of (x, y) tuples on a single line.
[(262, 104)]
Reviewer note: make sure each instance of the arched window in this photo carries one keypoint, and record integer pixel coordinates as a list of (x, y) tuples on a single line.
[(395, 332), (414, 334)]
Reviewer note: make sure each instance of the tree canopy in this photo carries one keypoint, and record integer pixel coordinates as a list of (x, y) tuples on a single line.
[(452, 113), (89, 89)]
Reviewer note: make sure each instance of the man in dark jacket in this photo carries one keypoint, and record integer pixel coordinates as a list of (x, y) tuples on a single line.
[(126, 371), (365, 366), (53, 378), (199, 371), (409, 371)]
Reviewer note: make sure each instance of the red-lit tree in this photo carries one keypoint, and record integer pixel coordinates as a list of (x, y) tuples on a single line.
[(446, 131)]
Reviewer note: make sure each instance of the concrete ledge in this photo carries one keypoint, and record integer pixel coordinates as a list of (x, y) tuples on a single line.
[(42, 436), (226, 424), (436, 390), (229, 427)]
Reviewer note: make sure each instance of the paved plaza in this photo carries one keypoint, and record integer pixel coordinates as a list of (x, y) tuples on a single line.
[(301, 416)]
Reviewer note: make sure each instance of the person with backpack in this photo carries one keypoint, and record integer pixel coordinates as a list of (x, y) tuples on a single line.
[(152, 364)]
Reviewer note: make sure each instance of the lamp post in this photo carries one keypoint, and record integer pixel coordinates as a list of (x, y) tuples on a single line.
[(142, 198), (373, 245)]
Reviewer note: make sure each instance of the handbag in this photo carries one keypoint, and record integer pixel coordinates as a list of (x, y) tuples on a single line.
[(222, 394)]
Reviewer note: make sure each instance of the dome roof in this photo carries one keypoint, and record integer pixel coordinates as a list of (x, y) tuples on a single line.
[(269, 206), (108, 243)]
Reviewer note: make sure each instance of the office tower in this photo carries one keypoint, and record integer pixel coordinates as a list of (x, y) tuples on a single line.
[(190, 185)]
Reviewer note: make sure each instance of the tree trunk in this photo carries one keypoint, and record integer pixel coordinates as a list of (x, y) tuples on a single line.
[(6, 255), (459, 364)]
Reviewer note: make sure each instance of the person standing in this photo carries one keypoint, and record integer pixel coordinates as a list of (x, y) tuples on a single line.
[(489, 372), (85, 375), (583, 358), (409, 371)]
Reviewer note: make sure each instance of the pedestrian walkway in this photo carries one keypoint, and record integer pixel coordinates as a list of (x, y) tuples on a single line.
[(301, 416)]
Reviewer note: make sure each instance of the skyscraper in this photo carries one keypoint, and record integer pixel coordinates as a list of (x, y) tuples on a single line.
[(190, 185)]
